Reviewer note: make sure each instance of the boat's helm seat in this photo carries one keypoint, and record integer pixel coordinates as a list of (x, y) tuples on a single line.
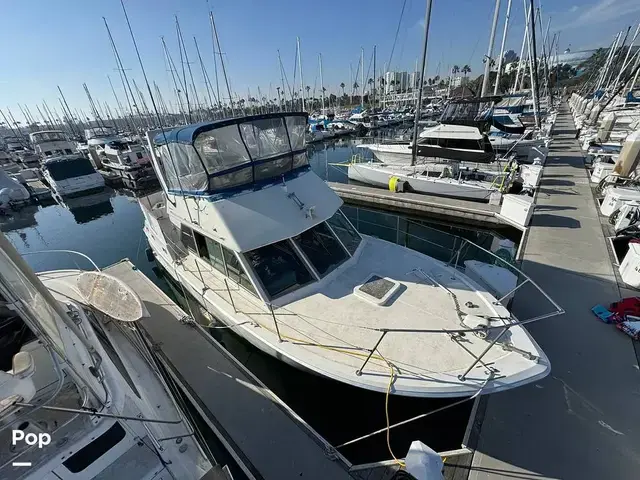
[(16, 385)]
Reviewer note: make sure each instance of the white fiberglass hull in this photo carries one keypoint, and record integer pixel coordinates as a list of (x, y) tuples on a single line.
[(504, 145), (523, 370), (75, 186), (380, 174)]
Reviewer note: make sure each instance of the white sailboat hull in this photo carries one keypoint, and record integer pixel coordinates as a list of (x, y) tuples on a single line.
[(379, 175)]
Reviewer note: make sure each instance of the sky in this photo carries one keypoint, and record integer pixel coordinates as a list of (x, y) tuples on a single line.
[(64, 43)]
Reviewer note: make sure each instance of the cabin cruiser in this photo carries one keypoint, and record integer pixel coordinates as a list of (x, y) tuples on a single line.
[(260, 242), (88, 386), (71, 175), (27, 158), (51, 143), (128, 160), (443, 141), (364, 119)]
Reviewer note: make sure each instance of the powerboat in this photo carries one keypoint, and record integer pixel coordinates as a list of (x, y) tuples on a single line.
[(71, 175), (85, 398), (12, 193), (7, 162), (130, 161), (260, 242), (51, 143)]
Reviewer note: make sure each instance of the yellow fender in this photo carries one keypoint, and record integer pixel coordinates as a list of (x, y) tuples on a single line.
[(393, 183)]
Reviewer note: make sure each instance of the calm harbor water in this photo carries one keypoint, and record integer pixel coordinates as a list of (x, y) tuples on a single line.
[(108, 228)]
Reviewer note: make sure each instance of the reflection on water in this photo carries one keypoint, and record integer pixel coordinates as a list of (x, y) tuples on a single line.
[(109, 228)]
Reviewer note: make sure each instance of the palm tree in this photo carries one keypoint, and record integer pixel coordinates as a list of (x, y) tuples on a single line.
[(342, 85), (466, 70), (455, 69), (307, 88)]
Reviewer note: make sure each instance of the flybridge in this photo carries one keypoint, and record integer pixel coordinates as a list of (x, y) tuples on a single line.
[(226, 157)]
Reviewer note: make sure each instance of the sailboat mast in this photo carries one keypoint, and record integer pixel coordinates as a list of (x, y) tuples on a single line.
[(414, 144), (186, 59), (527, 11), (128, 93), (207, 82), (301, 77), (489, 56), (534, 69), (504, 40), (374, 78), (113, 90), (215, 60), (282, 81), (184, 72), (321, 81), (175, 82), (362, 77), (224, 69)]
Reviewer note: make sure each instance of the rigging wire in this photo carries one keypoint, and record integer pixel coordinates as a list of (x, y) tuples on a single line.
[(395, 40)]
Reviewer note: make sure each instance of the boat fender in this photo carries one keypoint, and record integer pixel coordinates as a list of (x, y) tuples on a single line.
[(397, 185)]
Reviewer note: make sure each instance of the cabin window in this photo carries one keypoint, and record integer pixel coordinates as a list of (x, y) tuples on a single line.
[(321, 248), (68, 151), (211, 251), (139, 155), (272, 168), (265, 138), (300, 159), (221, 149), (279, 268), (348, 235), (235, 271), (187, 238), (184, 168), (47, 153), (231, 179), (296, 125), (91, 452)]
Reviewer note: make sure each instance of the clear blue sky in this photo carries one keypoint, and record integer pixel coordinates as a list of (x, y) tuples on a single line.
[(47, 43)]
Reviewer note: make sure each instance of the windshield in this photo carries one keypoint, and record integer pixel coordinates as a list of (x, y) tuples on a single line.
[(279, 268), (77, 167), (48, 137), (348, 235), (322, 248)]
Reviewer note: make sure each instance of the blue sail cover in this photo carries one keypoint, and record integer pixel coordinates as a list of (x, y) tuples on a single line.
[(631, 99), (226, 157)]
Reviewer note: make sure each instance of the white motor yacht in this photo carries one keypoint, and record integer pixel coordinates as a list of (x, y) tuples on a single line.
[(71, 175), (85, 399), (258, 239), (51, 143), (129, 160)]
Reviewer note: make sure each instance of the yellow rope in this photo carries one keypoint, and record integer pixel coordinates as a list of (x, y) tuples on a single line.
[(386, 413)]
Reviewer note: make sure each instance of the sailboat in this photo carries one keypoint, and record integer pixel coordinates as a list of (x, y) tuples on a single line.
[(260, 242), (87, 386)]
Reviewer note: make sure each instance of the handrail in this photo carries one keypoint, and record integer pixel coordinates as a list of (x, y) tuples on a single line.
[(557, 310), (86, 257)]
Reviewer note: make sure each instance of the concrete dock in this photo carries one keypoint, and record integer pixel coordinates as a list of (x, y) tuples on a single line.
[(266, 438), (448, 209), (583, 421)]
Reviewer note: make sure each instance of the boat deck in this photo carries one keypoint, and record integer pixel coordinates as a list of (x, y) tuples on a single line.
[(581, 422), (451, 209), (267, 439)]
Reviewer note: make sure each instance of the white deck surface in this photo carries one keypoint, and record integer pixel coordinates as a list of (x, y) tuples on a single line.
[(330, 315), (583, 421)]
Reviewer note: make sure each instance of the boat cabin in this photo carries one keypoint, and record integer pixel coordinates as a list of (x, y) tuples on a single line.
[(242, 196), (123, 153), (49, 143)]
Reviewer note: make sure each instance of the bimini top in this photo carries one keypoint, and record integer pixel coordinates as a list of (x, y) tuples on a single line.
[(225, 157)]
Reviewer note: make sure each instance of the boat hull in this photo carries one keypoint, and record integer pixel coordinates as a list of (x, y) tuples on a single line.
[(380, 176)]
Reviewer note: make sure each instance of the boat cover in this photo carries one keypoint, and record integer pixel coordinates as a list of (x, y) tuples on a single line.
[(225, 157), (475, 112)]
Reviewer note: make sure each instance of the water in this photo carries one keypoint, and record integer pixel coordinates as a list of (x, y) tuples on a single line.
[(110, 229)]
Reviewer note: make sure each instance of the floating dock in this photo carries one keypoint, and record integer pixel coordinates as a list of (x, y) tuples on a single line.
[(582, 421), (442, 208)]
